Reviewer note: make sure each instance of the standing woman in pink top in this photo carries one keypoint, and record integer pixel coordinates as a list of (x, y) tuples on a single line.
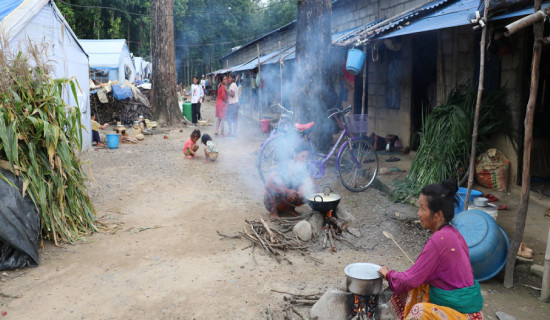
[(221, 105), (440, 284)]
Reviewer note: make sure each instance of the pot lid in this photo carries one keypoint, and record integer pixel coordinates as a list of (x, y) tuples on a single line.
[(363, 271)]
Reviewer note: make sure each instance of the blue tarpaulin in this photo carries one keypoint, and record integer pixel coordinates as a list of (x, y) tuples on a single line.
[(122, 92)]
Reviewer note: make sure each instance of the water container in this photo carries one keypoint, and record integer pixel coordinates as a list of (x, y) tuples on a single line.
[(265, 125), (461, 194), (187, 110), (355, 60), (489, 209), (487, 241), (113, 140)]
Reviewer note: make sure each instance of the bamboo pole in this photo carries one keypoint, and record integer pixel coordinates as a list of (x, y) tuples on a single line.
[(478, 104), (545, 293), (364, 81), (258, 86), (527, 145), (281, 70), (525, 22)]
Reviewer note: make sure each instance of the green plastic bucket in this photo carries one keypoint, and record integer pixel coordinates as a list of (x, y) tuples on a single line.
[(186, 108)]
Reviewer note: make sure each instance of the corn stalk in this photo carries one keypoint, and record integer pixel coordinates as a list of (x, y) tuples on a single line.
[(41, 137)]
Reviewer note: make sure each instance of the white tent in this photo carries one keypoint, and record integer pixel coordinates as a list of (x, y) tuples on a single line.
[(110, 59), (138, 63), (41, 22)]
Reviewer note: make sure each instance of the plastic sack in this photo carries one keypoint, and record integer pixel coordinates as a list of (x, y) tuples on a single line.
[(491, 170), (19, 226), (500, 6)]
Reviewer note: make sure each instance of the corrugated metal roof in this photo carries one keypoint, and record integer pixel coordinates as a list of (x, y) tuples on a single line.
[(453, 15), (457, 14), (7, 6)]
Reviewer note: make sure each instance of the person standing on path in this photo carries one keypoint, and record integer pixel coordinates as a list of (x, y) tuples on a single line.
[(233, 106), (197, 95), (221, 105)]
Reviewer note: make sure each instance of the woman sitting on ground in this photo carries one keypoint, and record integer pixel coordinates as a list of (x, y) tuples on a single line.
[(440, 284)]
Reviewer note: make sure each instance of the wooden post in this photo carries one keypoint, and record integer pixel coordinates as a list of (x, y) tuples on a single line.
[(364, 81), (527, 145), (281, 71), (545, 293), (258, 86), (478, 103)]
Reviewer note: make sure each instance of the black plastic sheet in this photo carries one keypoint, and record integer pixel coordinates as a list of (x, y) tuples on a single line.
[(501, 6), (19, 226)]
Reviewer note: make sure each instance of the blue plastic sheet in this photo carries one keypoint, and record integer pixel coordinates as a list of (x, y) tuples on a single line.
[(121, 93)]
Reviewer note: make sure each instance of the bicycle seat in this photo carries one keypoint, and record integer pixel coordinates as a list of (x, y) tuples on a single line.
[(304, 127)]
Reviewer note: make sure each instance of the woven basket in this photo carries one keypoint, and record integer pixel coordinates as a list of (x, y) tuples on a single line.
[(357, 123)]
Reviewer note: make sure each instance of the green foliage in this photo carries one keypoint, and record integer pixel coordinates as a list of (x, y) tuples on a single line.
[(446, 138), (40, 137), (204, 30)]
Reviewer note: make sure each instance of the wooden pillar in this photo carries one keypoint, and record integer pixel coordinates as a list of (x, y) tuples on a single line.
[(364, 81), (259, 85), (281, 72), (478, 103), (527, 145)]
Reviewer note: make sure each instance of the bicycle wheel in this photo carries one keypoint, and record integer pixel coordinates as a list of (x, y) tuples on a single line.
[(357, 164), (272, 154)]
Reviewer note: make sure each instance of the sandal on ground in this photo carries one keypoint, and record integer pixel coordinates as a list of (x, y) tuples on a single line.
[(491, 197), (522, 252), (392, 159), (502, 207), (396, 169)]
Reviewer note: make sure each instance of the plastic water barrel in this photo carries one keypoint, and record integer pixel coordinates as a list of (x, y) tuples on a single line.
[(487, 241), (113, 140), (355, 60), (187, 110), (461, 194), (265, 125)]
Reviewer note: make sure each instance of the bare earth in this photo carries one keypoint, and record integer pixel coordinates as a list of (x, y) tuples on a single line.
[(163, 259)]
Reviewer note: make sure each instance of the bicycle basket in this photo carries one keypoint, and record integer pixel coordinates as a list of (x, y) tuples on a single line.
[(356, 123)]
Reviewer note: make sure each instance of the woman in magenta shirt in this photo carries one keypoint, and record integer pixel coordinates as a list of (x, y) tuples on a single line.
[(440, 284)]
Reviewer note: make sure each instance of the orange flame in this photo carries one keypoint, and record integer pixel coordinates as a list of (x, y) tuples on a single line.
[(329, 214)]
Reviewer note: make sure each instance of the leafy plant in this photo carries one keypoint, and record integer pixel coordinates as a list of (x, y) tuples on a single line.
[(40, 137), (446, 138)]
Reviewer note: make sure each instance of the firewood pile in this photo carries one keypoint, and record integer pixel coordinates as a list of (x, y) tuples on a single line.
[(272, 240), (125, 111)]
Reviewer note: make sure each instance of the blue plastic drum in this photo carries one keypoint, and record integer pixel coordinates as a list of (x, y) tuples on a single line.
[(461, 194), (487, 241)]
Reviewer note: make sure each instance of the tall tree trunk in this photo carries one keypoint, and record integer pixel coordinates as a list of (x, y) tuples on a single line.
[(527, 144), (313, 53), (163, 81)]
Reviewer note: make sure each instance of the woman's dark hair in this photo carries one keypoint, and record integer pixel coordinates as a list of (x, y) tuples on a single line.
[(442, 196), (205, 138), (196, 134)]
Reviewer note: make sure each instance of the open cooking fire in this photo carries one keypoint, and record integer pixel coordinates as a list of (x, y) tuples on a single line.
[(364, 307)]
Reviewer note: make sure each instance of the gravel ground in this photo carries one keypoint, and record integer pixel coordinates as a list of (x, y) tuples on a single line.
[(162, 258)]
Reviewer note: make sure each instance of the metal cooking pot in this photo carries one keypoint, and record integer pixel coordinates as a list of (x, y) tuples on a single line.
[(324, 201), (363, 278)]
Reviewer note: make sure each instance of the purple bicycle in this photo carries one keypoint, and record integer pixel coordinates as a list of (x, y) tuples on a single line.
[(357, 161)]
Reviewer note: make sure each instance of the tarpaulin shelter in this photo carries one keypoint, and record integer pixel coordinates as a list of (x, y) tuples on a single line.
[(40, 21), (111, 56)]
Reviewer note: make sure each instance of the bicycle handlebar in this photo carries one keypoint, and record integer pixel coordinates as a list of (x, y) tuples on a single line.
[(338, 111), (283, 108)]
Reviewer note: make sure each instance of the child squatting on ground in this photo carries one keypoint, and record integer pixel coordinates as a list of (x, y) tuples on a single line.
[(190, 148), (210, 150)]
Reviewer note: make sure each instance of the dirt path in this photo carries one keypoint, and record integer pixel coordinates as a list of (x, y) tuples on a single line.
[(166, 261)]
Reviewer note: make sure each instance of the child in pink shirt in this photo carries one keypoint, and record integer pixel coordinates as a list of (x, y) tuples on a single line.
[(190, 147)]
